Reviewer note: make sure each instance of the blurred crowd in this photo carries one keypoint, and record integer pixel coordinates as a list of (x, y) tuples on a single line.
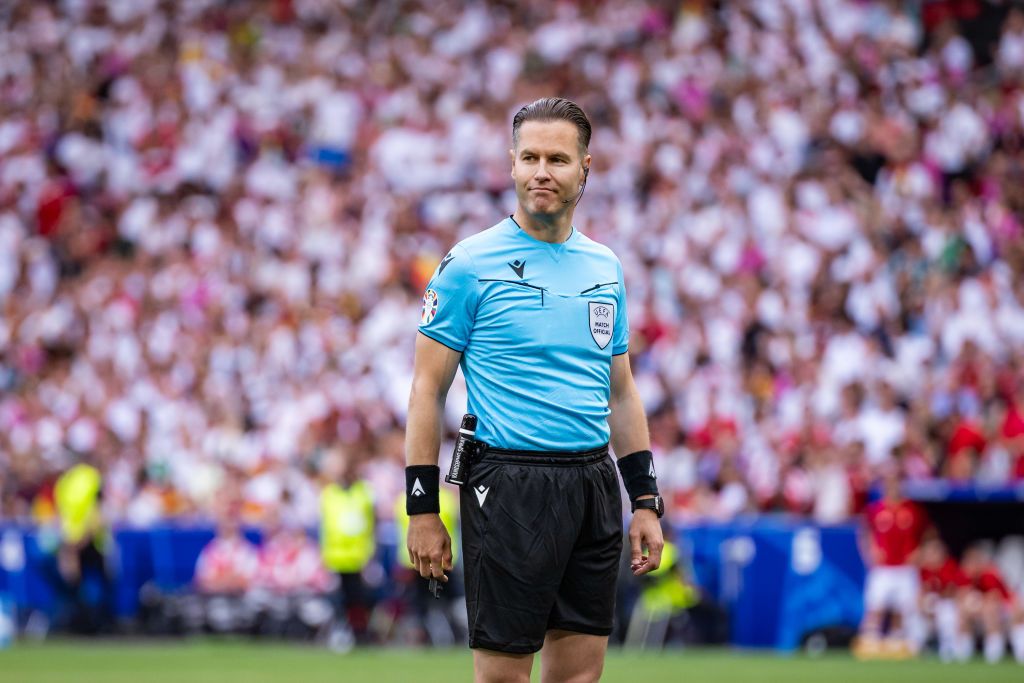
[(217, 219)]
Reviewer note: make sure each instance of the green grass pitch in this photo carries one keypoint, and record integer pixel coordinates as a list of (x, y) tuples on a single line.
[(210, 661)]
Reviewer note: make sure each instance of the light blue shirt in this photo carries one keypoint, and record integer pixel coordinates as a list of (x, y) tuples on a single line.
[(537, 325)]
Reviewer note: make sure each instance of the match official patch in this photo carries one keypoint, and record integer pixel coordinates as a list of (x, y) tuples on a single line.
[(429, 307), (602, 322)]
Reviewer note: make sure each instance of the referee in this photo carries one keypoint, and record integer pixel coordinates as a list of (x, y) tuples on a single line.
[(535, 313)]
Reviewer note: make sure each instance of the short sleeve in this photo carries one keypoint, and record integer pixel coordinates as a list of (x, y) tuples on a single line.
[(449, 303), (620, 342)]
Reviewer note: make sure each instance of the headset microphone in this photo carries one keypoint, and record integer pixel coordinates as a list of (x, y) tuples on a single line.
[(583, 186)]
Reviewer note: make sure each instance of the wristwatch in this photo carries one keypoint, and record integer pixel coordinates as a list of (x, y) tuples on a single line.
[(657, 504)]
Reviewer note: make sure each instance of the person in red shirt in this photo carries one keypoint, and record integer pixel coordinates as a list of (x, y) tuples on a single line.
[(944, 591), (290, 562), (227, 564), (1011, 430), (895, 526), (292, 586), (963, 452), (225, 571), (992, 607)]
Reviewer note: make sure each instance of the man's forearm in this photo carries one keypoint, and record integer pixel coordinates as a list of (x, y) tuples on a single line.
[(628, 424), (423, 429)]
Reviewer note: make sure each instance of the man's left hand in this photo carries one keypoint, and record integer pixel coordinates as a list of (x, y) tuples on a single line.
[(645, 534)]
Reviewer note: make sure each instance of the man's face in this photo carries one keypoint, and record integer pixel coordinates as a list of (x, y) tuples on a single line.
[(228, 525), (891, 486), (933, 553), (973, 562), (547, 166)]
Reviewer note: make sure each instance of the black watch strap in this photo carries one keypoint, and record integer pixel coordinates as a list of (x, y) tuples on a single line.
[(657, 503)]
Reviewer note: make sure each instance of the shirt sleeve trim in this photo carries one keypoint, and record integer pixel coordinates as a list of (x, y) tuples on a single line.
[(440, 341)]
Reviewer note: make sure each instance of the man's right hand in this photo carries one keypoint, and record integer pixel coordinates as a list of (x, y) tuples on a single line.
[(430, 546)]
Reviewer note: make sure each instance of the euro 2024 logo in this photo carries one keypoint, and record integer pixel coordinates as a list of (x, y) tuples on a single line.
[(429, 307)]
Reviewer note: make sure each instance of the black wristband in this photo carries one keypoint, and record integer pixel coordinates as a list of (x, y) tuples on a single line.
[(421, 489), (638, 474)]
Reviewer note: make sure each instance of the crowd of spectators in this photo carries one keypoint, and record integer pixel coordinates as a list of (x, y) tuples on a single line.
[(217, 219)]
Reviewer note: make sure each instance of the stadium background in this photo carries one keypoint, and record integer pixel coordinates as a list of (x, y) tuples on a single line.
[(216, 221)]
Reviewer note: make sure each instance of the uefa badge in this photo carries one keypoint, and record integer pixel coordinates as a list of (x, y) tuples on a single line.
[(602, 320), (429, 307)]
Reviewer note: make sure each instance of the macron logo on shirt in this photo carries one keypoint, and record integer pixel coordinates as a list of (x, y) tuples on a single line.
[(517, 267), (417, 488)]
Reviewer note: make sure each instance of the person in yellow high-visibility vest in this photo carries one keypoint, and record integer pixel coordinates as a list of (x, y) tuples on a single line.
[(347, 541), (80, 558), (77, 499), (668, 592), (665, 595), (415, 589)]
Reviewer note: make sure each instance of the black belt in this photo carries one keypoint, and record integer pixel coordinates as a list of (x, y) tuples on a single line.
[(545, 458)]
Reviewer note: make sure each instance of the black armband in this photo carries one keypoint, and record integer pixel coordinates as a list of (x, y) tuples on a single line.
[(421, 489), (638, 475)]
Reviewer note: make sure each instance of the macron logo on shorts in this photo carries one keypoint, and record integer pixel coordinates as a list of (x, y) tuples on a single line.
[(651, 473), (417, 488), (481, 493)]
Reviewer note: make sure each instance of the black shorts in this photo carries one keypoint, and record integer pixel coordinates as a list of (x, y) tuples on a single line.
[(542, 540)]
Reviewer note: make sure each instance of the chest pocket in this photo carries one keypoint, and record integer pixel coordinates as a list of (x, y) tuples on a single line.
[(582, 324), (526, 318), (513, 315)]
